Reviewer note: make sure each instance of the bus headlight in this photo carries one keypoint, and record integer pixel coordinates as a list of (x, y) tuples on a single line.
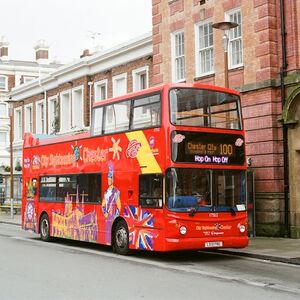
[(242, 228), (182, 230)]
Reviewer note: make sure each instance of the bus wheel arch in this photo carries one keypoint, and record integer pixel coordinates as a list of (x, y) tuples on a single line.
[(120, 236), (44, 227)]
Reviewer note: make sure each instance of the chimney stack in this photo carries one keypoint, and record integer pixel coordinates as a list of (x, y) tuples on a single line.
[(86, 52), (4, 48), (42, 52)]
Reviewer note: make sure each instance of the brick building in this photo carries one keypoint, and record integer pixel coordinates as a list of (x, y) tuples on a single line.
[(264, 65), (14, 73), (60, 102)]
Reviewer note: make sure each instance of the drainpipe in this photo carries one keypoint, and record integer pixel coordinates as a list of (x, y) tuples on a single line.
[(45, 103), (90, 84), (284, 126)]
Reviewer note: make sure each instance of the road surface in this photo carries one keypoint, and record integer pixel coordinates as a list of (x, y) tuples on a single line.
[(62, 269)]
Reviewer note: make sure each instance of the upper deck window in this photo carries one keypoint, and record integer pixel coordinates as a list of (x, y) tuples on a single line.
[(146, 112), (204, 108), (143, 112), (116, 117)]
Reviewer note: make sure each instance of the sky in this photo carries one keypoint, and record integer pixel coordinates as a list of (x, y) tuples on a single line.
[(68, 26)]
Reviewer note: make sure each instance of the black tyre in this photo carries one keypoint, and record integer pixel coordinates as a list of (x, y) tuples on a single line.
[(45, 228), (121, 238)]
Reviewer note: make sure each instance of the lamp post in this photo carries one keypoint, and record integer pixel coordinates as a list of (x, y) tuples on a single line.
[(225, 26)]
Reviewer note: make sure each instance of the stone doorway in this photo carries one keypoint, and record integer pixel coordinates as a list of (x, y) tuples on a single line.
[(292, 120)]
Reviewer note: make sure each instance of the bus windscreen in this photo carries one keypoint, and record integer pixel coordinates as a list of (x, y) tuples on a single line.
[(204, 190), (204, 108)]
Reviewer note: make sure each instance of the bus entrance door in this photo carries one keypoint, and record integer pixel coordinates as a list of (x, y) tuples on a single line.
[(251, 202)]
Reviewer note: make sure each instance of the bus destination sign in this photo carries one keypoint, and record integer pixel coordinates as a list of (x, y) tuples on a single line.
[(208, 148)]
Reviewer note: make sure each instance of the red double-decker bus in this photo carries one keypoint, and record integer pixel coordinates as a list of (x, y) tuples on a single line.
[(161, 169)]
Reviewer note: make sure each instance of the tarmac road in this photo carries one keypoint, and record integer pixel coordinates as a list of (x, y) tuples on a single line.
[(32, 269)]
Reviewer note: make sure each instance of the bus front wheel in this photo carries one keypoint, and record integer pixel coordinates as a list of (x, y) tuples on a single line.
[(121, 238), (45, 228)]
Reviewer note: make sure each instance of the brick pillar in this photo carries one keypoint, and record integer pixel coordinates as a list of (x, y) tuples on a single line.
[(157, 42)]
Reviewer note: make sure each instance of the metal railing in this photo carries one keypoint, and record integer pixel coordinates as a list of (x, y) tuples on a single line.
[(8, 205)]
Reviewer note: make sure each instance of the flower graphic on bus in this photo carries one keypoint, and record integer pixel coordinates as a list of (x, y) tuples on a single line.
[(115, 149), (140, 224), (239, 142), (178, 138), (133, 149), (26, 163), (36, 162)]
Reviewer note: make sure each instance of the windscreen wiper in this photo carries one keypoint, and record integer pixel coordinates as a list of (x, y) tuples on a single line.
[(233, 212), (192, 211)]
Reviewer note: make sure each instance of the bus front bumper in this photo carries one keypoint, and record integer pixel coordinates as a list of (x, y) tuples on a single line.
[(173, 244)]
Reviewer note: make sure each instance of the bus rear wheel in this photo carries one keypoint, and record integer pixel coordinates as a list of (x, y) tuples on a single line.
[(121, 238), (45, 228)]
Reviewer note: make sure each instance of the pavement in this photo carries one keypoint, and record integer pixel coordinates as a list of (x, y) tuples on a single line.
[(282, 250), (5, 217)]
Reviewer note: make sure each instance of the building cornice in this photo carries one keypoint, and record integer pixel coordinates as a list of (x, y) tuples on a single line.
[(99, 62), (11, 69)]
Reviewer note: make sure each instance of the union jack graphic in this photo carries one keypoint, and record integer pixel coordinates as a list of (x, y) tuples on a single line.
[(140, 223)]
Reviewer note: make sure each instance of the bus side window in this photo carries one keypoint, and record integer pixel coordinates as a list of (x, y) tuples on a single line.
[(89, 187), (48, 188), (146, 112), (151, 190)]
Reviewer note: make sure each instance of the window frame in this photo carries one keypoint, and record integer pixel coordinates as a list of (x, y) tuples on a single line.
[(231, 40), (51, 119), (115, 79), (5, 115), (39, 118), (5, 133), (143, 114), (199, 72), (5, 86), (176, 58), (211, 199), (131, 100), (161, 197), (26, 124), (116, 121), (65, 128), (18, 128), (136, 75), (81, 109), (99, 132), (97, 85), (238, 109), (57, 182)]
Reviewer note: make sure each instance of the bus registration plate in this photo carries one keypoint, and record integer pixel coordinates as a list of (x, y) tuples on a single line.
[(213, 244)]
